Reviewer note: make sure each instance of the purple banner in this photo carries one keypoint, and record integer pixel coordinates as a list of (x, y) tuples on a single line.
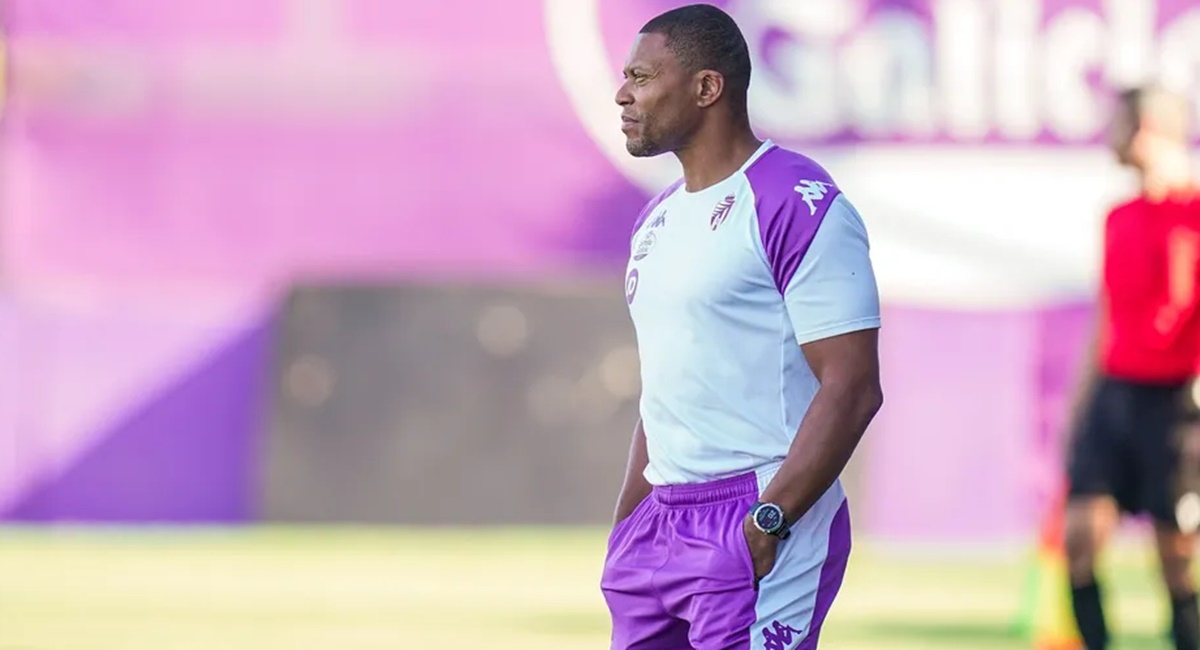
[(245, 146), (370, 138)]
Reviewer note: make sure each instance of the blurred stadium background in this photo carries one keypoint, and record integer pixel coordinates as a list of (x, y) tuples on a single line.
[(313, 332)]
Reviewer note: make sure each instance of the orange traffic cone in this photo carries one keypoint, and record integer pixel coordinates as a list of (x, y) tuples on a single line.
[(1046, 617)]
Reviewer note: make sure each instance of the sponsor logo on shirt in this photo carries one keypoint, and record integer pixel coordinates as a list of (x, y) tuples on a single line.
[(647, 241)]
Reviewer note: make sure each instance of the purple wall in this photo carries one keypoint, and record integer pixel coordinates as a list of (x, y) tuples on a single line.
[(969, 443), (202, 156), (131, 410)]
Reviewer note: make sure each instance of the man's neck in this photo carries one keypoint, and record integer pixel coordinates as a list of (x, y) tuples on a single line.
[(715, 154), (1170, 174)]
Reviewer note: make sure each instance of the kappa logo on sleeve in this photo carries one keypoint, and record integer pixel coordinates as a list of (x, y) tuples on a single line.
[(812, 192)]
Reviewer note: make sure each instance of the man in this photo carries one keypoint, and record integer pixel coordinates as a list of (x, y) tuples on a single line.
[(1127, 449), (756, 313)]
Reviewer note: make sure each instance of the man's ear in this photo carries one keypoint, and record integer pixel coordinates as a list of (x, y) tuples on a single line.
[(710, 86)]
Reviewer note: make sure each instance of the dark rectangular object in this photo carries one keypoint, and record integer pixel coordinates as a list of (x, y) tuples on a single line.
[(451, 404)]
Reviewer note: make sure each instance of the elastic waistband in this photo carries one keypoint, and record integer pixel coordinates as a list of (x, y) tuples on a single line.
[(698, 494)]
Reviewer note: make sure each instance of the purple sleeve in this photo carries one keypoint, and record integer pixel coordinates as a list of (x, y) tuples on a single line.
[(791, 196), (646, 211)]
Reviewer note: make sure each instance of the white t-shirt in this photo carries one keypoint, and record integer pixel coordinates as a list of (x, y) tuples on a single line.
[(723, 287)]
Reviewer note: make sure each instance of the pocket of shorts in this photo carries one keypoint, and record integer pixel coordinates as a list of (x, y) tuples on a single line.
[(620, 526), (742, 551)]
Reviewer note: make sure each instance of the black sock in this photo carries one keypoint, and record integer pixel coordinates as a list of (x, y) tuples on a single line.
[(1185, 622), (1089, 616)]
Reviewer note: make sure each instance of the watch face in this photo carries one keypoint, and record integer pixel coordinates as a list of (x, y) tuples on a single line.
[(769, 517)]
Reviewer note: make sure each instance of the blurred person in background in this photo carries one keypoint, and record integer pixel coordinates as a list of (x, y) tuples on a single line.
[(756, 311), (1128, 442)]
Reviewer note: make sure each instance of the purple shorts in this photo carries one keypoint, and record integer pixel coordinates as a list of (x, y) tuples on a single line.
[(679, 576)]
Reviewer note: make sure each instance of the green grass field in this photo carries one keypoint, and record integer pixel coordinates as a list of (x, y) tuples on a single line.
[(350, 589)]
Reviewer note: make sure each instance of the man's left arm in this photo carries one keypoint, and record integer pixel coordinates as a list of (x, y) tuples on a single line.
[(847, 367), (832, 300)]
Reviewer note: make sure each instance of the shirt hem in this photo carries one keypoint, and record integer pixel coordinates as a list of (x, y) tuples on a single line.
[(847, 327)]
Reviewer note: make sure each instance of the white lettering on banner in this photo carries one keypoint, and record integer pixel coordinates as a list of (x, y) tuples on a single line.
[(1131, 26), (961, 42), (1015, 55), (974, 69), (1181, 56), (1074, 44), (890, 82)]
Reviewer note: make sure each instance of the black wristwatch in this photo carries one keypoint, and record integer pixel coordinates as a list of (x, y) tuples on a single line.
[(769, 518)]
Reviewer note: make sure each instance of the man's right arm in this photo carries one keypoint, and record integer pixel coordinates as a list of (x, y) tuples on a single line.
[(1085, 384), (1089, 371), (635, 488)]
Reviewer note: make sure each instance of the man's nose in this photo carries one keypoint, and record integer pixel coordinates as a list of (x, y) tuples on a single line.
[(624, 97)]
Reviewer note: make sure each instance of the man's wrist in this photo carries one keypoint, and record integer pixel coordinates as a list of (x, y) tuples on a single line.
[(792, 511), (770, 519)]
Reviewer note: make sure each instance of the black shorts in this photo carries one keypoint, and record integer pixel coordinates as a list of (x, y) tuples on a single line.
[(1129, 447)]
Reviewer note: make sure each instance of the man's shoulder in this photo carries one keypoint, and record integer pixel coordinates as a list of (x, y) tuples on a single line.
[(782, 174), (1136, 206), (655, 202), (662, 196), (1127, 211), (786, 182)]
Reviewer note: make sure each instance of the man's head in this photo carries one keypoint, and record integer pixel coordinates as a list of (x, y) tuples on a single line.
[(687, 65), (1149, 122)]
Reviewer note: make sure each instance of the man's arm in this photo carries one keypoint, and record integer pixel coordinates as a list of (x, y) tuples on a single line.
[(847, 367), (832, 299), (635, 488), (1089, 373)]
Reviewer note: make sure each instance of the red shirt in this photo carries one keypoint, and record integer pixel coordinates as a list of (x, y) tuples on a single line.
[(1150, 327)]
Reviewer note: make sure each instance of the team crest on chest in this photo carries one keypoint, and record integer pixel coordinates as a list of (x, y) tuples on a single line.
[(721, 212)]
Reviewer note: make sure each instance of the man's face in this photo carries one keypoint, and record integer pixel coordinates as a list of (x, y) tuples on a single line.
[(1123, 134), (658, 109)]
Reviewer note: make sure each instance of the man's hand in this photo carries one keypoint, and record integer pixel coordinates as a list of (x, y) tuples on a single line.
[(764, 548), (635, 488)]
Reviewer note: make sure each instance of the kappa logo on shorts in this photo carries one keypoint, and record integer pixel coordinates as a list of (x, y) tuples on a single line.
[(779, 636)]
